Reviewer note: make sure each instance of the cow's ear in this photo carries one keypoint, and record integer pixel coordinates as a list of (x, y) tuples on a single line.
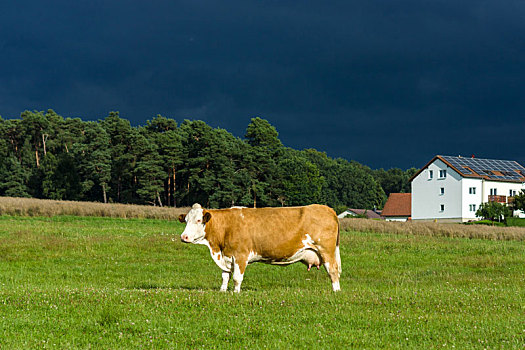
[(182, 218), (206, 217)]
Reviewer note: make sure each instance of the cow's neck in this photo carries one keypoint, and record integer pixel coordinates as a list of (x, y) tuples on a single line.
[(214, 237)]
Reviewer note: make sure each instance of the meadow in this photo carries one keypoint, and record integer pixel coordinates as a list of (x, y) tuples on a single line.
[(100, 282)]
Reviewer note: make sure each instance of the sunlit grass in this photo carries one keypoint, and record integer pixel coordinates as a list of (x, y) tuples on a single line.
[(70, 282)]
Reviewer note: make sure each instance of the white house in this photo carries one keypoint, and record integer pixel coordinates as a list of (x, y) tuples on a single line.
[(451, 189)]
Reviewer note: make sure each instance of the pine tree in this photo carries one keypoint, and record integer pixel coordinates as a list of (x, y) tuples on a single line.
[(260, 161), (163, 132), (13, 178), (148, 171), (121, 138), (35, 127), (93, 157), (301, 181)]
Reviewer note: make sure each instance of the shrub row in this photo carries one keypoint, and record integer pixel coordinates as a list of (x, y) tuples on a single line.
[(515, 222)]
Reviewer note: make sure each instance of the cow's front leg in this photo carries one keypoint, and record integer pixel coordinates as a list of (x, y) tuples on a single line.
[(225, 280), (239, 267)]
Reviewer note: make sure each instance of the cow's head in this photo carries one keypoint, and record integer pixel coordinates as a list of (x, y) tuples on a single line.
[(195, 221)]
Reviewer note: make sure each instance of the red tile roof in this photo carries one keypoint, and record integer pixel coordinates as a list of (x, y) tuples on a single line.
[(398, 204)]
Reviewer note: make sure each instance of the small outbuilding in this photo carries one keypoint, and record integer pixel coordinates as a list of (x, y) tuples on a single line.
[(368, 213)]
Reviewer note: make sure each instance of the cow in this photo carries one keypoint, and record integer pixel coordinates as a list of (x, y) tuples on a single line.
[(238, 236)]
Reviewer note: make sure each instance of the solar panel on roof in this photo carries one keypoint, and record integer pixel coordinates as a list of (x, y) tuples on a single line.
[(506, 169)]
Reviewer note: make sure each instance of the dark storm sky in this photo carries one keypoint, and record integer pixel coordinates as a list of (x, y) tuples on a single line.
[(386, 83)]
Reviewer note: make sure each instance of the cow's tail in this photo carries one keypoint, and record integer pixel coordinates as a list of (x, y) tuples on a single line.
[(337, 254)]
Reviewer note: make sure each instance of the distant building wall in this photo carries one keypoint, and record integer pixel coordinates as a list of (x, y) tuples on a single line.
[(437, 195), (396, 218), (472, 194)]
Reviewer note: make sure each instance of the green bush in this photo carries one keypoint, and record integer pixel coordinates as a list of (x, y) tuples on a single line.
[(515, 222), (486, 222), (494, 211)]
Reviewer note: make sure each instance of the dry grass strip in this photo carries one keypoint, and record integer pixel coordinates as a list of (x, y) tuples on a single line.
[(45, 207), (434, 229)]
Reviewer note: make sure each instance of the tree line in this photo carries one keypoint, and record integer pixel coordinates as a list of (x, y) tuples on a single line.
[(45, 155)]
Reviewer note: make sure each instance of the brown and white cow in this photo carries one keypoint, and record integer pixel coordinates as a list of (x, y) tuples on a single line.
[(237, 237)]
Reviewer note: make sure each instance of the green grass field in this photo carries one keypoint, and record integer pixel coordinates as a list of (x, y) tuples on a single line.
[(85, 282)]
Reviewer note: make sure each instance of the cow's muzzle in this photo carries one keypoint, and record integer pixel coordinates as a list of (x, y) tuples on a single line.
[(184, 238)]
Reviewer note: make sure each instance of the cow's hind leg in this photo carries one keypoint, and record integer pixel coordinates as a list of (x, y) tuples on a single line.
[(225, 280), (332, 264)]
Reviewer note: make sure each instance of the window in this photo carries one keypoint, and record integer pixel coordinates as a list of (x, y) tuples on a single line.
[(442, 191), (493, 191), (442, 207), (472, 190), (430, 174), (512, 193), (442, 174), (472, 207)]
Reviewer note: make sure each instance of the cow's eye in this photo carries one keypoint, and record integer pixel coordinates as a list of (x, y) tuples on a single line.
[(199, 221)]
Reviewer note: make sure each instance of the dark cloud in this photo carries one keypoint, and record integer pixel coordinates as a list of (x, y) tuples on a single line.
[(385, 83)]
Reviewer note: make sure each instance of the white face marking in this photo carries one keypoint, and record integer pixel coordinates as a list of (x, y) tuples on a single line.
[(194, 231)]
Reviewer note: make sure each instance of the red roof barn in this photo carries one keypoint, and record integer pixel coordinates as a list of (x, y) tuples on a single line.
[(398, 207)]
